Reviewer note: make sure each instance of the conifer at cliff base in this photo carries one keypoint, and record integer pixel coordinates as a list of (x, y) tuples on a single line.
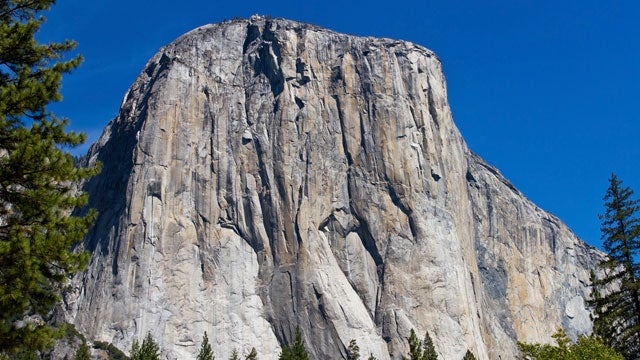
[(205, 353), (353, 350), (421, 350), (149, 350), (616, 292), (297, 351), (586, 347)]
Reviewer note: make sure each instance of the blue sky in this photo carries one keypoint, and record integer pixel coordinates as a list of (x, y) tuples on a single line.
[(546, 91)]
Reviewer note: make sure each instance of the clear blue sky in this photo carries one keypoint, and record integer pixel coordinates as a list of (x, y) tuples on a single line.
[(546, 91)]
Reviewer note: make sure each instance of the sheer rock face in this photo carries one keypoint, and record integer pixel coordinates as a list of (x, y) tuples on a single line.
[(264, 175)]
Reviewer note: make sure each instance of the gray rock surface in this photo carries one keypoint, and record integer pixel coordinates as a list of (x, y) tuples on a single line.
[(264, 175)]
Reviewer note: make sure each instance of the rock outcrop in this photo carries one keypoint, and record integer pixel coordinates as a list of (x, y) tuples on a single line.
[(264, 175)]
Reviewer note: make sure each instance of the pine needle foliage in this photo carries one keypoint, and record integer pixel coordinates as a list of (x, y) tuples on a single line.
[(421, 350), (82, 353), (149, 350), (113, 353), (353, 350), (234, 355), (37, 180), (252, 355), (297, 351), (469, 356), (428, 349), (415, 346), (615, 296), (585, 348), (205, 353)]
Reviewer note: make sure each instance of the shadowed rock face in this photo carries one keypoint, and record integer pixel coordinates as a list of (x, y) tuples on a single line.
[(264, 175)]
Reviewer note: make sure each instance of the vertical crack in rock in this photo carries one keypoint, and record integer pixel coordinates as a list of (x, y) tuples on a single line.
[(269, 211)]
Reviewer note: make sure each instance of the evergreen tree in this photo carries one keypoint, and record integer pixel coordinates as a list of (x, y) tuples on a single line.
[(421, 350), (37, 178), (429, 350), (415, 346), (149, 349), (285, 354), (113, 353), (135, 350), (24, 354), (82, 353), (353, 351), (469, 356), (234, 355), (205, 349), (297, 351), (371, 357), (586, 348), (616, 296), (253, 355), (601, 328)]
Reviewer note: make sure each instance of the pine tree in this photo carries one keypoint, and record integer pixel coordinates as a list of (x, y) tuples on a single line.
[(149, 349), (253, 355), (82, 353), (601, 328), (469, 356), (37, 179), (616, 296), (415, 346), (353, 351), (135, 350), (297, 351), (429, 350), (585, 348), (421, 350), (234, 355), (113, 353), (24, 354), (285, 354), (205, 349), (371, 357)]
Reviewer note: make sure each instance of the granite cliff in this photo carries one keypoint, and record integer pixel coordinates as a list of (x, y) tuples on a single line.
[(264, 175)]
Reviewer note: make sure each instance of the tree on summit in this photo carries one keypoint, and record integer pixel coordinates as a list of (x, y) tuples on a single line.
[(616, 296), (37, 180)]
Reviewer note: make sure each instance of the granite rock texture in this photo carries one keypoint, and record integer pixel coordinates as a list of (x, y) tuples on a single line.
[(264, 175)]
